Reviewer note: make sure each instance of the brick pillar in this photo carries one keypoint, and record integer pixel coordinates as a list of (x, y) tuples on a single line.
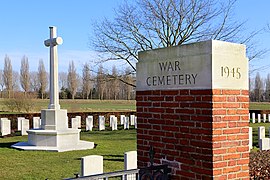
[(200, 130)]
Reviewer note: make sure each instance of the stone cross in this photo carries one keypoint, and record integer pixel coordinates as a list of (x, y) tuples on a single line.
[(52, 43)]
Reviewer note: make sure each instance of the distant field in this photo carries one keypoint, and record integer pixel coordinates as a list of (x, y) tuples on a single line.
[(81, 105), (259, 106)]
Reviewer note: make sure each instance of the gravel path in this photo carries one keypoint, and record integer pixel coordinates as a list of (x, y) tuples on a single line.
[(259, 165)]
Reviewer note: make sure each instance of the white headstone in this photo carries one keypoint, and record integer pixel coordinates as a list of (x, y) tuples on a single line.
[(122, 119), (91, 165), (253, 117), (19, 123), (268, 117), (132, 120), (75, 123), (101, 123), (114, 123), (259, 118), (25, 127), (250, 138), (111, 119), (79, 121), (264, 144), (126, 123), (136, 125), (269, 131), (36, 122), (130, 162), (5, 126), (264, 118), (261, 132), (89, 123)]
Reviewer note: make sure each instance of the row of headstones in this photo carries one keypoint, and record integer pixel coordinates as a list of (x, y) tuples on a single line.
[(23, 124), (260, 118), (93, 164), (264, 143), (124, 120)]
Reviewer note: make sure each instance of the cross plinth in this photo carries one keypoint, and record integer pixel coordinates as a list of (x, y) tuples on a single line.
[(54, 134), (52, 43)]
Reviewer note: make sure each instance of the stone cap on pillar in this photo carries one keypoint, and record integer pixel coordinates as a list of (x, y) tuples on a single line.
[(205, 65)]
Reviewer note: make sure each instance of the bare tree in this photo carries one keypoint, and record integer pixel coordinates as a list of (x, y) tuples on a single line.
[(150, 24), (251, 89), (25, 75), (2, 84), (87, 81), (43, 78), (63, 77), (34, 82), (8, 75), (101, 82), (72, 79), (114, 83), (15, 83), (63, 84), (258, 89), (128, 89), (267, 87)]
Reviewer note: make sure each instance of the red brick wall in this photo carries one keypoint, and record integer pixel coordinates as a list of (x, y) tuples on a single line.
[(201, 134)]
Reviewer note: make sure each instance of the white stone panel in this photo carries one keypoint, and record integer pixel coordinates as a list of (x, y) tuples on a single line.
[(132, 120), (250, 138), (264, 144), (91, 165), (259, 118), (122, 119), (25, 127), (5, 126), (114, 123), (261, 132), (111, 119), (253, 117), (75, 123), (136, 124), (101, 123), (130, 160), (89, 123), (36, 122), (264, 118), (126, 123), (19, 123), (79, 121)]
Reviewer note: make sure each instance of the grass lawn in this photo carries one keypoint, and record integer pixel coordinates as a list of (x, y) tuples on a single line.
[(16, 164)]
